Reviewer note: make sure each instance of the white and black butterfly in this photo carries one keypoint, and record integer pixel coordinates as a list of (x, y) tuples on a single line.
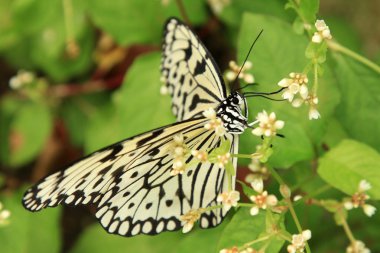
[(130, 182)]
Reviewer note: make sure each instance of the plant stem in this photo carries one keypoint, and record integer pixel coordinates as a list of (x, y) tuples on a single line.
[(245, 204), (242, 156), (339, 48), (276, 176), (297, 222), (182, 10), (315, 87), (291, 208), (264, 238), (348, 231)]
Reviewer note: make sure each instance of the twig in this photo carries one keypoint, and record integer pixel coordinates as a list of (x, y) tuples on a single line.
[(182, 10)]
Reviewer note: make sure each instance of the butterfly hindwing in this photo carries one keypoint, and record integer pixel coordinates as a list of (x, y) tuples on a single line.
[(131, 185), (189, 71)]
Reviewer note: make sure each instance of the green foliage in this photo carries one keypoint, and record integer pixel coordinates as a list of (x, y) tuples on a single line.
[(348, 163), (323, 160), (96, 240), (24, 142), (242, 229), (360, 100), (29, 232), (123, 19)]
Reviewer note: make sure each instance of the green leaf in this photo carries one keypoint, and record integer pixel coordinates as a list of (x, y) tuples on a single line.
[(202, 240), (308, 10), (103, 128), (45, 33), (124, 22), (244, 228), (248, 191), (277, 53), (27, 231), (139, 105), (96, 240), (30, 128), (349, 162), (360, 90)]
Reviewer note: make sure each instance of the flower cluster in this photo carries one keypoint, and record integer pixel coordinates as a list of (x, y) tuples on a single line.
[(359, 199), (258, 169), (323, 32), (22, 78), (215, 123), (268, 124), (234, 71), (179, 152), (189, 219), (223, 160), (228, 199), (299, 242), (297, 83), (4, 215), (261, 199), (312, 101), (357, 247), (201, 155)]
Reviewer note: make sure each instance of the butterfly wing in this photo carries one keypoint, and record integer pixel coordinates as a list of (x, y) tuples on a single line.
[(131, 185), (189, 71)]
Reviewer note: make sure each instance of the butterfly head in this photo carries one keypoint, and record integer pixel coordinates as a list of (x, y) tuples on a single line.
[(231, 113)]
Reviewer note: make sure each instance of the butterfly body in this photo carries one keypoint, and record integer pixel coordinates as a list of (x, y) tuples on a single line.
[(231, 114)]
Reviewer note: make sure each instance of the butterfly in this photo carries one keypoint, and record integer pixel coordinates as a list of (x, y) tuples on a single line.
[(131, 182)]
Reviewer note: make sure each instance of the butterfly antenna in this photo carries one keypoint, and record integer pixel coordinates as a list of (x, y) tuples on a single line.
[(249, 52)]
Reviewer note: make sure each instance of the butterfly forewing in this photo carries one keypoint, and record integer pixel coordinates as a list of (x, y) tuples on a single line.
[(189, 71)]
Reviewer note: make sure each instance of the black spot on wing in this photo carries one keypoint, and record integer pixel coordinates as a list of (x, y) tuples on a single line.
[(197, 100), (200, 68), (115, 150), (153, 135)]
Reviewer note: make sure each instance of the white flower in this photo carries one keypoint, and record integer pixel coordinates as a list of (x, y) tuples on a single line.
[(234, 70), (179, 166), (268, 124), (260, 171), (228, 199), (262, 199), (215, 123), (357, 247), (369, 210), (179, 152), (189, 218), (297, 83), (222, 160), (217, 6), (297, 197), (4, 215), (299, 242), (22, 78), (258, 185), (323, 32), (364, 186), (312, 101), (230, 250), (358, 199), (200, 155)]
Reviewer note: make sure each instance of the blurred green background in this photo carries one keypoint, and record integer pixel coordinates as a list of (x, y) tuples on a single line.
[(76, 76)]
